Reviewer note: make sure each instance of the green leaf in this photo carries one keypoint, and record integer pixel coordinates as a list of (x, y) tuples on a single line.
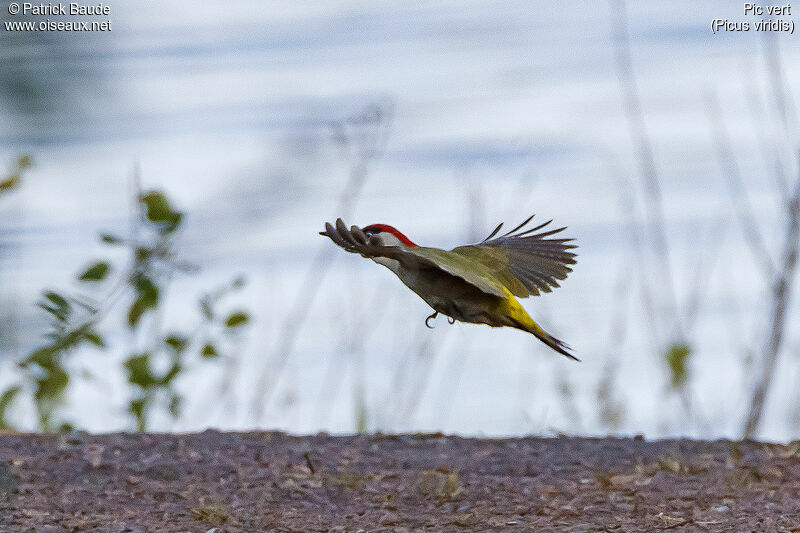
[(139, 373), (96, 339), (677, 358), (110, 239), (56, 298), (65, 428), (44, 357), (137, 309), (52, 385), (143, 254), (209, 351), (96, 272), (6, 399), (12, 182), (177, 343), (147, 298), (61, 309), (159, 211), (56, 305), (137, 408), (236, 319), (24, 161)]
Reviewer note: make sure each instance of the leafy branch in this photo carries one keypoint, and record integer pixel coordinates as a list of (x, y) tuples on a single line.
[(139, 288), (13, 180)]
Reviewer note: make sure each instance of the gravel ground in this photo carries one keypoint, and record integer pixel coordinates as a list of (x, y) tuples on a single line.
[(268, 481)]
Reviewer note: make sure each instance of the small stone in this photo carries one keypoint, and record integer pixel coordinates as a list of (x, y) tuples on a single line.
[(621, 479), (389, 519), (93, 454)]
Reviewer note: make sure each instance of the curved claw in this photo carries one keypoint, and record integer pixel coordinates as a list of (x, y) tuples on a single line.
[(434, 315), (451, 320)]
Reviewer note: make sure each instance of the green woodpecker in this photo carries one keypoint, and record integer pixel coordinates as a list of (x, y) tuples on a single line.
[(476, 283)]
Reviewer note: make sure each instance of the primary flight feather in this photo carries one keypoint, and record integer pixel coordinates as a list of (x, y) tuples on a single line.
[(477, 283)]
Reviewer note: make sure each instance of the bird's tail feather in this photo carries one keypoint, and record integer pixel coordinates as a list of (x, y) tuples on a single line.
[(557, 345)]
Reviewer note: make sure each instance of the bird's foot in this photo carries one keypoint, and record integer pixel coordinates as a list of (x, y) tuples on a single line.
[(451, 320), (434, 315)]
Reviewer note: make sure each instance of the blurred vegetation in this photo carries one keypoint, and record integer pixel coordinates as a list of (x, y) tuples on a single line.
[(677, 360), (157, 355), (13, 180), (9, 183)]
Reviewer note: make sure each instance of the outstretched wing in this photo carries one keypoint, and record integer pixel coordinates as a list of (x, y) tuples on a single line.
[(417, 257), (524, 261)]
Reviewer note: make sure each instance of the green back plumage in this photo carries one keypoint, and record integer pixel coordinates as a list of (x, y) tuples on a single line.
[(464, 267)]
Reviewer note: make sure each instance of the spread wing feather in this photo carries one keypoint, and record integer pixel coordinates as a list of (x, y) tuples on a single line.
[(526, 262)]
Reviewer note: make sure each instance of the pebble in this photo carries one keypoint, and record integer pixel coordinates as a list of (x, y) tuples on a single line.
[(389, 519)]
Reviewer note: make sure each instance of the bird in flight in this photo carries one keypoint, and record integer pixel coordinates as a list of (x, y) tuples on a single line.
[(477, 283)]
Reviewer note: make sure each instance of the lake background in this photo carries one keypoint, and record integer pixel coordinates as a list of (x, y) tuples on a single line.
[(263, 120)]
